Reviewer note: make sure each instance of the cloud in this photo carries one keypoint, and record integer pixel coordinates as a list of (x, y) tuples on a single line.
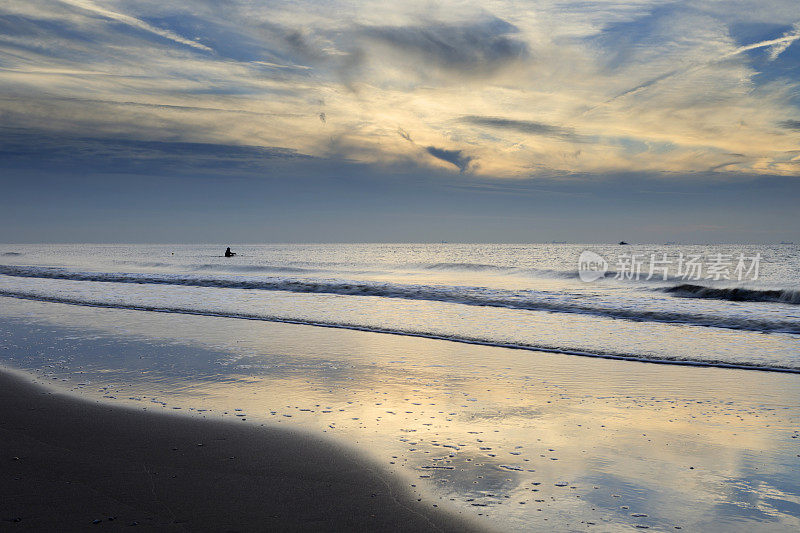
[(32, 149), (790, 124), (555, 90), (476, 48), (523, 126), (775, 46), (778, 46), (135, 23), (456, 158), (200, 109)]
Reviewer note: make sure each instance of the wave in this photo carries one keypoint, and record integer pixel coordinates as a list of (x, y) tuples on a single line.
[(736, 294), (11, 254), (473, 267), (253, 268), (405, 332), (215, 267), (476, 296), (145, 264), (481, 267), (537, 272)]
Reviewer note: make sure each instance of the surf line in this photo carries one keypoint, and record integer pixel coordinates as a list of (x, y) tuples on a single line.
[(398, 332), (406, 292)]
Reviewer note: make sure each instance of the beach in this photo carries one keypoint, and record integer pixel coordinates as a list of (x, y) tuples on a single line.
[(69, 464)]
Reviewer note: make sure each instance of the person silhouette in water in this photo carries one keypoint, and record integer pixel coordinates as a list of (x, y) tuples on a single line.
[(228, 252)]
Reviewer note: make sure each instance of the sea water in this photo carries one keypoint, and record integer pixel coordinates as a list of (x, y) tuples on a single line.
[(525, 296)]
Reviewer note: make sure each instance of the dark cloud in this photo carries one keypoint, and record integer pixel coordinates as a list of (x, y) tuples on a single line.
[(523, 126), (791, 124), (471, 49), (315, 48), (456, 158), (32, 149), (302, 44), (50, 99)]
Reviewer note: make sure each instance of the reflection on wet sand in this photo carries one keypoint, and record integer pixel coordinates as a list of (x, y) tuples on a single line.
[(526, 440)]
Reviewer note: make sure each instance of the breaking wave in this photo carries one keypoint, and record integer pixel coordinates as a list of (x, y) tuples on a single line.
[(736, 294), (475, 296)]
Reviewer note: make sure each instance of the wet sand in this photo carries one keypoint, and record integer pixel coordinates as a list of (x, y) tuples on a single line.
[(68, 463)]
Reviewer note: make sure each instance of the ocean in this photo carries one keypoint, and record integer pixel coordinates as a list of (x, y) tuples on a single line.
[(492, 378), (519, 296)]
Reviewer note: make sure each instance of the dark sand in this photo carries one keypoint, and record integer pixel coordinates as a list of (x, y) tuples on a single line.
[(66, 462)]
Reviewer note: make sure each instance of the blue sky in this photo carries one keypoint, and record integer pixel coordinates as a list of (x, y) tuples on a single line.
[(416, 121)]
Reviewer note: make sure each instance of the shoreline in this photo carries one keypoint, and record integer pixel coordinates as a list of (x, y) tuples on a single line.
[(70, 462), (416, 334)]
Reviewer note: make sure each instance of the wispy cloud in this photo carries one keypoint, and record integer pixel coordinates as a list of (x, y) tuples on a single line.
[(776, 46), (500, 90), (134, 22), (524, 126)]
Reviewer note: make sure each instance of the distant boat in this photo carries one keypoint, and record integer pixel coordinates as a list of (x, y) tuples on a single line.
[(623, 243)]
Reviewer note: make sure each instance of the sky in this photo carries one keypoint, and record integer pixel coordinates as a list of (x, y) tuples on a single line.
[(493, 121)]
